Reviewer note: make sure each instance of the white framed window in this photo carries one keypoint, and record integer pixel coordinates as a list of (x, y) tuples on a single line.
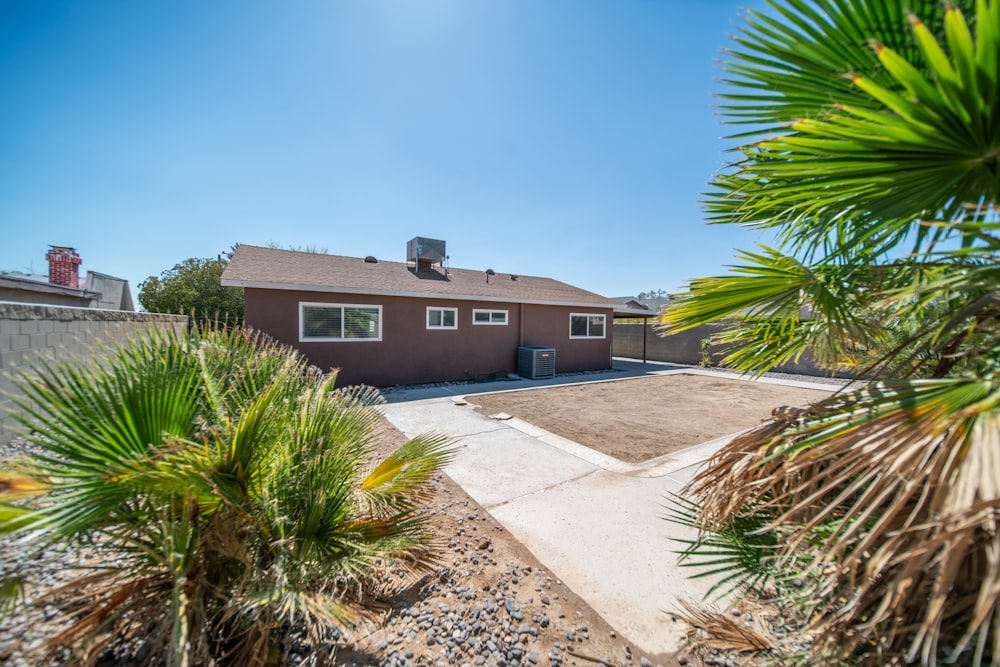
[(339, 322), (442, 318), (585, 325), (489, 316)]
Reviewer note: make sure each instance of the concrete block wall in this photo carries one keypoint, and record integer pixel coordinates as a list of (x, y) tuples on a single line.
[(29, 332), (685, 348)]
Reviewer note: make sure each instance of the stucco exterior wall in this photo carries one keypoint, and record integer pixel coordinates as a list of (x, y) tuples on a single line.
[(29, 332), (410, 353), (548, 326)]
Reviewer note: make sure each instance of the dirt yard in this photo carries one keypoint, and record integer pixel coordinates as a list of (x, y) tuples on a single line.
[(639, 419)]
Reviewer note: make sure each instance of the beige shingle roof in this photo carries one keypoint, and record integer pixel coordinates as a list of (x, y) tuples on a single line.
[(269, 268)]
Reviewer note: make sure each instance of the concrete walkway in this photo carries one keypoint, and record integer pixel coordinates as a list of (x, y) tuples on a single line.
[(595, 522)]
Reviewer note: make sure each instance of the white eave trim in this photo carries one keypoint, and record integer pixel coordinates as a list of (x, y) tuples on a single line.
[(229, 282)]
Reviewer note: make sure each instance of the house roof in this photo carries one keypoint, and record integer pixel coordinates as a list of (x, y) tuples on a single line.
[(26, 283), (628, 300), (270, 268), (115, 293), (657, 304)]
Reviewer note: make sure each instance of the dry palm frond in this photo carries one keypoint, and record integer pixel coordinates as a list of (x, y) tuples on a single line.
[(739, 467), (889, 498), (14, 486), (723, 631), (111, 607)]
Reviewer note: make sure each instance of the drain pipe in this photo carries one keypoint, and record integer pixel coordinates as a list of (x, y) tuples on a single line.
[(520, 325)]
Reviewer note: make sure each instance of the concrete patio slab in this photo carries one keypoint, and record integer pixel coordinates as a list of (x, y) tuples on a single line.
[(505, 465), (596, 522), (438, 415), (604, 535), (601, 532)]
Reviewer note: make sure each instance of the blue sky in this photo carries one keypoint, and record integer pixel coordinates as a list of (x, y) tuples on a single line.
[(563, 138)]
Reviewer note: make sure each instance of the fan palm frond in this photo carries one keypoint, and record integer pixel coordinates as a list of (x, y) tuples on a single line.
[(883, 137), (904, 476), (874, 154), (227, 484)]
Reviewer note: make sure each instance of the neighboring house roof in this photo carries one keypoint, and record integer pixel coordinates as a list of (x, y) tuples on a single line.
[(115, 293), (24, 283), (658, 304), (37, 277), (630, 302), (635, 307), (270, 268)]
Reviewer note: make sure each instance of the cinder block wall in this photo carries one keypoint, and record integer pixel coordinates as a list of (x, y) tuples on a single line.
[(29, 332), (685, 348)]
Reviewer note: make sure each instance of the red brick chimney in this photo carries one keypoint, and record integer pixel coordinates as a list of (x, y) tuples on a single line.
[(64, 266)]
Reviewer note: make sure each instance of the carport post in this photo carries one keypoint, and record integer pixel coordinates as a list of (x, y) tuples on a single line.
[(645, 325)]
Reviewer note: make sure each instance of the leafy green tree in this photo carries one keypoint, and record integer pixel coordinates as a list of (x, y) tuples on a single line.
[(231, 490), (312, 248), (871, 150), (193, 286)]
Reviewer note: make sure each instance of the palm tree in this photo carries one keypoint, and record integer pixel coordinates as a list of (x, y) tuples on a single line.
[(872, 155), (231, 491)]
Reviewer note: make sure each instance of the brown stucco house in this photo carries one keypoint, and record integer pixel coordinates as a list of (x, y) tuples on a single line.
[(386, 323)]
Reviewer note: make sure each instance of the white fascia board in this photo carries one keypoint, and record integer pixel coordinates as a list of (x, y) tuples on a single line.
[(228, 282)]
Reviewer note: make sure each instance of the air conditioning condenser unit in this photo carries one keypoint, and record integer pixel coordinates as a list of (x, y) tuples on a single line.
[(536, 363)]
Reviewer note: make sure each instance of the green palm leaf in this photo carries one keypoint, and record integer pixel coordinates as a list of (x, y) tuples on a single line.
[(872, 149), (228, 483), (739, 554), (406, 472), (780, 308), (908, 135)]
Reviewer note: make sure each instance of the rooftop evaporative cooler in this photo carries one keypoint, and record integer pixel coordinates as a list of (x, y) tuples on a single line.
[(536, 363)]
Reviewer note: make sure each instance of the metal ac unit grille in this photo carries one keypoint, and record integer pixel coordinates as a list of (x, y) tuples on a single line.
[(536, 363)]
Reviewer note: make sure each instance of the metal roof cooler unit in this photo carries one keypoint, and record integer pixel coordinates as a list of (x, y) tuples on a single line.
[(425, 252), (536, 363)]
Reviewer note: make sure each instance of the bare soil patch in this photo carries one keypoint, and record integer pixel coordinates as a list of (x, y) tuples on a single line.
[(640, 419)]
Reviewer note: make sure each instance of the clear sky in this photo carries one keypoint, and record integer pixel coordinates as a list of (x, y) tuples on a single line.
[(561, 138)]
